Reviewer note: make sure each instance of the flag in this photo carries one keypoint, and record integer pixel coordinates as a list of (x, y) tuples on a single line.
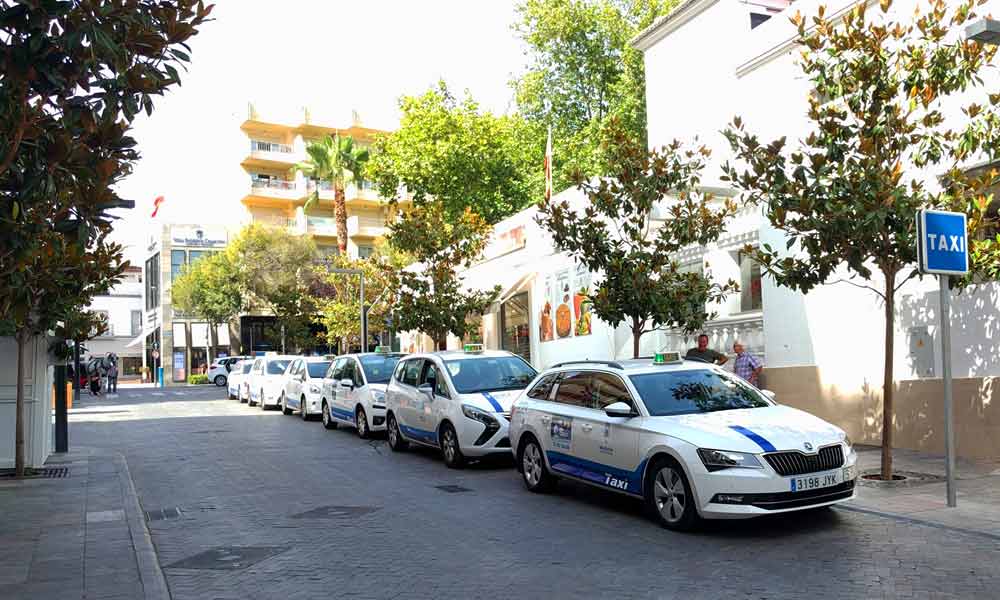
[(548, 166), (156, 206)]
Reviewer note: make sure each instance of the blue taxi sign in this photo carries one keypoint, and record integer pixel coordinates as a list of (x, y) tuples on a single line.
[(942, 242)]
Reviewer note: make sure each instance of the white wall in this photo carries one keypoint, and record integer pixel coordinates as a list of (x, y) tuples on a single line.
[(37, 402)]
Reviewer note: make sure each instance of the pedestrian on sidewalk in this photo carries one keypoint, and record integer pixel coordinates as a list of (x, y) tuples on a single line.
[(705, 354), (113, 377), (746, 365)]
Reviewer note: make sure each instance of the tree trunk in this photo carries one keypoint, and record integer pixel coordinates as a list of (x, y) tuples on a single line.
[(442, 342), (19, 409), (340, 214), (636, 336), (887, 380)]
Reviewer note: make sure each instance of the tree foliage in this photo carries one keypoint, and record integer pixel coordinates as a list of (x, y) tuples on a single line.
[(74, 76), (209, 288), (846, 195), (582, 73), (431, 297), (615, 236), (449, 151), (338, 161)]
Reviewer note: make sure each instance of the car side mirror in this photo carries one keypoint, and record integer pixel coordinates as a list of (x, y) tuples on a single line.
[(347, 383), (770, 395), (426, 388), (619, 409)]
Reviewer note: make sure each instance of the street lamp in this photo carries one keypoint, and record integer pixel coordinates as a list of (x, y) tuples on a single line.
[(364, 311), (984, 31)]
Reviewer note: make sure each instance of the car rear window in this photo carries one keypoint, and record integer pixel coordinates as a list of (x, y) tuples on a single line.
[(277, 367), (696, 391), (317, 370), (471, 375)]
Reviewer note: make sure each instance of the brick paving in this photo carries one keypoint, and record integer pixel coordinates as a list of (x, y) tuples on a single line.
[(272, 507)]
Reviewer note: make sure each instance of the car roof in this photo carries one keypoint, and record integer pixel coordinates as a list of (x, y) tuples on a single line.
[(359, 354), (632, 366), (455, 354), (279, 357), (317, 359)]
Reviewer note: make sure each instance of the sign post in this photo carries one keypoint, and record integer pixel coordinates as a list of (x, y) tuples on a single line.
[(943, 250)]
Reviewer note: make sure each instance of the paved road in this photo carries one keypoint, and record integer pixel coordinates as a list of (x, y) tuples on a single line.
[(274, 507)]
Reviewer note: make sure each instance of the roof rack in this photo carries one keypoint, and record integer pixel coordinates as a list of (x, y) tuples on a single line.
[(608, 363)]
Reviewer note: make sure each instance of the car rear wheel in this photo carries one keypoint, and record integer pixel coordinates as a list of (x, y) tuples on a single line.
[(396, 441), (328, 421), (668, 496), (220, 380), (361, 423), (536, 475), (449, 447), (284, 405)]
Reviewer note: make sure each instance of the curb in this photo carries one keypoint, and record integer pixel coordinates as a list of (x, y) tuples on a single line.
[(154, 583)]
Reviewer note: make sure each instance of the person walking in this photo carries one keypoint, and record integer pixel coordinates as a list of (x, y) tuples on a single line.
[(746, 365), (705, 354), (113, 377)]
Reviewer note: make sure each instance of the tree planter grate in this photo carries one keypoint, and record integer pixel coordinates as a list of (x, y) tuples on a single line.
[(161, 514)]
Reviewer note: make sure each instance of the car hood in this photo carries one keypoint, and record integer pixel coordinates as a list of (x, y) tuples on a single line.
[(750, 430), (378, 387), (495, 402)]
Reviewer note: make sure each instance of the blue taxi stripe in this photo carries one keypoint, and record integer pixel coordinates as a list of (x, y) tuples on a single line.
[(493, 401), (765, 445), (596, 472)]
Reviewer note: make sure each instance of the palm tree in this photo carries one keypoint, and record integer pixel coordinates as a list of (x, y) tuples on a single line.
[(335, 159)]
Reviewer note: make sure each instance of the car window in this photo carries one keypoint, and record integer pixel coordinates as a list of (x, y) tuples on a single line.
[(247, 367), (433, 376), (471, 375), (378, 367), (609, 389), (358, 377), (543, 389), (257, 366), (695, 391), (412, 374), (317, 369), (348, 372), (575, 389), (277, 367), (400, 370)]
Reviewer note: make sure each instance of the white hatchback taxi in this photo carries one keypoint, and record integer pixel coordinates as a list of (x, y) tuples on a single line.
[(236, 379), (265, 381), (457, 401), (689, 438), (303, 386), (354, 391)]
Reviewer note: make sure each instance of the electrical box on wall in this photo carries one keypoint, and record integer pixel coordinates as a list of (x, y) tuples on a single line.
[(921, 351)]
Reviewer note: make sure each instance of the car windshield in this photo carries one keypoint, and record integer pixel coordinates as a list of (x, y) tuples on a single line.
[(689, 392), (470, 375), (277, 367), (379, 368), (317, 370), (247, 367)]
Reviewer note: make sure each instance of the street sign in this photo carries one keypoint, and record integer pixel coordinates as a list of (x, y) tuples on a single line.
[(942, 242)]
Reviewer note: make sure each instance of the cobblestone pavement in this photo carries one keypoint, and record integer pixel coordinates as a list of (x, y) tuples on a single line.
[(269, 506)]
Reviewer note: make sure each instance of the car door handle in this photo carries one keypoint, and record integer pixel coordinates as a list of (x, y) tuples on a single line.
[(587, 427), (545, 418)]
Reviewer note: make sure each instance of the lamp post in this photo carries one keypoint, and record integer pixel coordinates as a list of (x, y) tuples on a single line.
[(364, 315)]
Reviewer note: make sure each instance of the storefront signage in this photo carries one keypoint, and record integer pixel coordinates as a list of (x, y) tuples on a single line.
[(567, 310), (506, 242), (201, 237)]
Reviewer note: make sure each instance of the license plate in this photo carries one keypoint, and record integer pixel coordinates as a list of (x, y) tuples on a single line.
[(815, 481)]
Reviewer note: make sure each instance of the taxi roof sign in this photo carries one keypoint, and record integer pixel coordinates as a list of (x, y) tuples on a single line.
[(472, 348), (666, 358), (381, 350)]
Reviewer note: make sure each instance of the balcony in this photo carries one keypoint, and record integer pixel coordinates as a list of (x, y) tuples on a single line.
[(275, 192), (322, 226), (325, 188), (358, 227), (277, 222), (271, 155), (364, 195)]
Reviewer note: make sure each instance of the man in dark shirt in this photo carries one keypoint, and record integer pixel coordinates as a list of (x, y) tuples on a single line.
[(706, 354)]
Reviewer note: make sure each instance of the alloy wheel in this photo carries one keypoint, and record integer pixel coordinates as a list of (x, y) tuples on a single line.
[(531, 464), (361, 422), (670, 495)]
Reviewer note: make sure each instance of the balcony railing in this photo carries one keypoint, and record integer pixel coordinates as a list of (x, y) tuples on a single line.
[(272, 184), (322, 225), (322, 185), (259, 146)]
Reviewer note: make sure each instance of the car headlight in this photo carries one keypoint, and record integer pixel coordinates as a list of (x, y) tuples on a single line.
[(716, 460), (313, 389), (378, 396), (848, 443), (477, 414)]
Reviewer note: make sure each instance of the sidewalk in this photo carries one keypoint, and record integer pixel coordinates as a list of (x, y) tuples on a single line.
[(78, 536), (977, 484)]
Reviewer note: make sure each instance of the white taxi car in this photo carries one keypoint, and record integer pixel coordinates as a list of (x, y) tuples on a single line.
[(458, 401), (265, 381), (691, 439), (354, 391), (303, 386), (236, 378)]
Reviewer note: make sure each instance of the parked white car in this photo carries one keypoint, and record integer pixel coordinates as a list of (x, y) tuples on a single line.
[(457, 401), (265, 381), (218, 372), (236, 378), (691, 439), (303, 386), (354, 391)]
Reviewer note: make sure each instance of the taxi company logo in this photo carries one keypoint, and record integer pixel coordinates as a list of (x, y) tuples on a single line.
[(808, 446)]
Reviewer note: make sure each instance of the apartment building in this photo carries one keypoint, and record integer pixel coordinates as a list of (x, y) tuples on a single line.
[(276, 192), (122, 309)]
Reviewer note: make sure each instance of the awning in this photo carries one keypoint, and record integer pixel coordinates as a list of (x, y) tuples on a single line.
[(517, 287), (510, 281), (141, 338)]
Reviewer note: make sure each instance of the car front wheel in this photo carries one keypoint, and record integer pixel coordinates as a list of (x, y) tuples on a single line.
[(669, 498), (284, 405), (302, 409), (220, 380), (361, 422), (449, 447), (328, 421), (396, 441)]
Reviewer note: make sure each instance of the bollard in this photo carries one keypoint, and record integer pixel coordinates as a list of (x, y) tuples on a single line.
[(62, 418)]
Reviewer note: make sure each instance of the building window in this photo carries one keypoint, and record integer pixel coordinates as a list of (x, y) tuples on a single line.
[(195, 255), (515, 326), (750, 284), (153, 282), (136, 322), (178, 258), (365, 251)]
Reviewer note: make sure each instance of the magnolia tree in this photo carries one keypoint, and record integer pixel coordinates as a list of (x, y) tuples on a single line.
[(846, 194), (74, 76), (643, 286), (431, 297)]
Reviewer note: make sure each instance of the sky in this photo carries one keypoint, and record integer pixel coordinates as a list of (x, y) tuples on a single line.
[(330, 55)]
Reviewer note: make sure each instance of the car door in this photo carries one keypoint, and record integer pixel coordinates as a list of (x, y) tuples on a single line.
[(344, 407), (610, 441), (564, 430), (412, 405), (293, 387), (332, 381), (437, 405)]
